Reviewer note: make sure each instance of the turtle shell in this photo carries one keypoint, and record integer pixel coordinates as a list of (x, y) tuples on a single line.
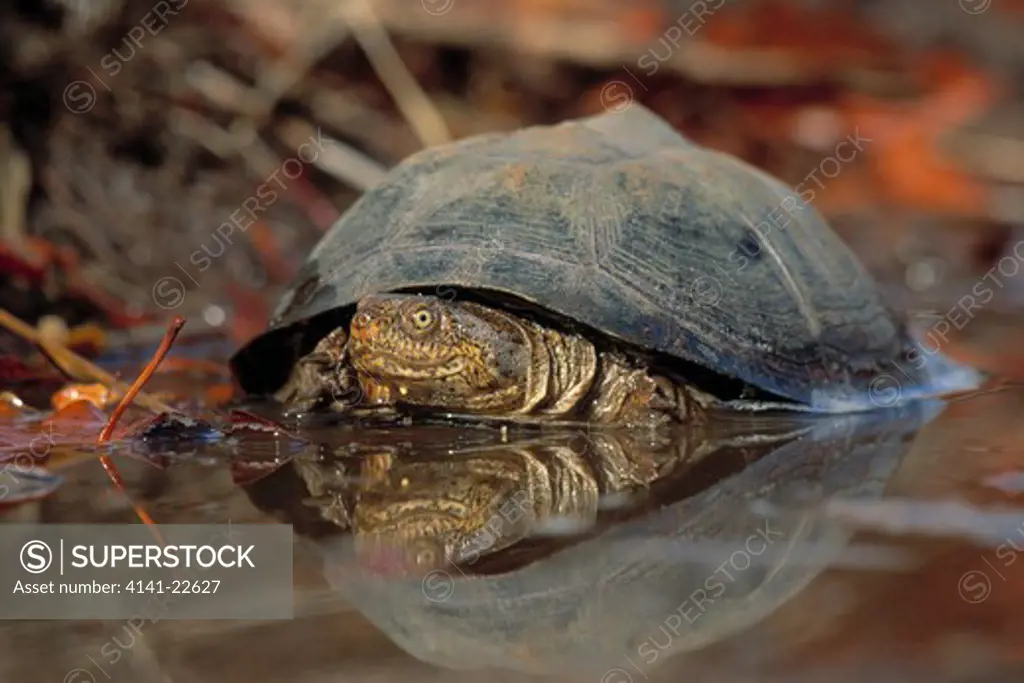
[(617, 222)]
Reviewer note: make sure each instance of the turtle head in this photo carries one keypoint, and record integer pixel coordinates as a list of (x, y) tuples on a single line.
[(424, 350)]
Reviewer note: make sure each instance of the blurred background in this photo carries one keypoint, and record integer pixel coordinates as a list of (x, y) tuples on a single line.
[(181, 157), (130, 131)]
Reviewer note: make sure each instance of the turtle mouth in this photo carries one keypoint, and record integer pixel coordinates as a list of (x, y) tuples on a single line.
[(387, 364)]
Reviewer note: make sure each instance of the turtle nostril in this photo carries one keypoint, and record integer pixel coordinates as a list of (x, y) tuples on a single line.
[(362, 320)]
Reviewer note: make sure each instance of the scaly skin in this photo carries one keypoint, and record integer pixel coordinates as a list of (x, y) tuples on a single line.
[(466, 358), (412, 506)]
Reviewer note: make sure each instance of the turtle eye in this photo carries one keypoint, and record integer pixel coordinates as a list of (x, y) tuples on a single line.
[(422, 319), (363, 319)]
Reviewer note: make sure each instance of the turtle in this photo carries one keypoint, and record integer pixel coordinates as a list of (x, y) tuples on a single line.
[(605, 269)]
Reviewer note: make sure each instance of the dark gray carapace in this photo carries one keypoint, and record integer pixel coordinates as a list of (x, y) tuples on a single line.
[(619, 223)]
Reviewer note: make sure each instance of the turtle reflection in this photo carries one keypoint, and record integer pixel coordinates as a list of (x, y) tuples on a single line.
[(432, 498), (441, 544)]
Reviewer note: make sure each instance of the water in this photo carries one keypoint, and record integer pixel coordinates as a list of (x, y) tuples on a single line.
[(885, 546)]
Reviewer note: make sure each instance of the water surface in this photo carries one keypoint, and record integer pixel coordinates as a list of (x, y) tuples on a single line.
[(883, 545)]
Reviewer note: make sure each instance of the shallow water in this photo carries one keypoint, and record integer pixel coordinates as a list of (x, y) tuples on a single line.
[(886, 546)]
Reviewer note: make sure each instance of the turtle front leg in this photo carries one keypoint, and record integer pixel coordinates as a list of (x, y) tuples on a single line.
[(632, 396), (321, 377)]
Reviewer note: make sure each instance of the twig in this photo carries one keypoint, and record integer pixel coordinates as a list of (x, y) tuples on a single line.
[(260, 158), (410, 98), (322, 33), (382, 135), (55, 362), (71, 363), (147, 372), (219, 87), (220, 142), (17, 182), (133, 391), (301, 34), (344, 163)]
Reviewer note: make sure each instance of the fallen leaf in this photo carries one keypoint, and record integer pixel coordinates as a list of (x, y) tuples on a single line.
[(97, 394)]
